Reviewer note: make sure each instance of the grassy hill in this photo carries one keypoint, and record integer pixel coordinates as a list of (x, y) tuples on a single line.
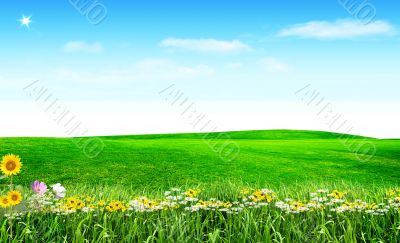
[(159, 161), (251, 134)]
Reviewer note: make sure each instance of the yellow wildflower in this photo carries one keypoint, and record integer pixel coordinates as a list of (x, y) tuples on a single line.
[(337, 194)]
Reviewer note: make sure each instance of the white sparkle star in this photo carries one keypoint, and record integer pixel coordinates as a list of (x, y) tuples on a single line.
[(25, 21)]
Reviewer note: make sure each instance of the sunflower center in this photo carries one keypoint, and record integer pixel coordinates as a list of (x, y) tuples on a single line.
[(14, 197), (11, 165)]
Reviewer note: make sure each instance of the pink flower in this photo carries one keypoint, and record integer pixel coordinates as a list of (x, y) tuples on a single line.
[(39, 187)]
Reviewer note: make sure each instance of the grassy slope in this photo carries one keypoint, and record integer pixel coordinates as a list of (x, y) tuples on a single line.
[(272, 157)]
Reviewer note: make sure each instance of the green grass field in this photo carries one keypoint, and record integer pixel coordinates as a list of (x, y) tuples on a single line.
[(321, 191), (273, 157)]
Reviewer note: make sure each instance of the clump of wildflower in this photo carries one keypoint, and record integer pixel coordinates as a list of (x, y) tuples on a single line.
[(265, 195), (115, 206), (144, 204)]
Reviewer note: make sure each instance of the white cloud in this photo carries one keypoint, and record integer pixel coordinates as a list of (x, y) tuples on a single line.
[(146, 69), (205, 45), (340, 29), (273, 64), (81, 46), (165, 69)]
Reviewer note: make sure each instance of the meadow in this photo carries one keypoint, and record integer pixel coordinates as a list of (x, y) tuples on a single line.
[(285, 186), (163, 161)]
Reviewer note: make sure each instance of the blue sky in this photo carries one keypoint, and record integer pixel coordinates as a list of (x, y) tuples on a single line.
[(216, 51)]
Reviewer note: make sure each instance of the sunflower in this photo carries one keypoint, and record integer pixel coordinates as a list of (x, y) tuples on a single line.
[(11, 164), (4, 202), (15, 197)]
